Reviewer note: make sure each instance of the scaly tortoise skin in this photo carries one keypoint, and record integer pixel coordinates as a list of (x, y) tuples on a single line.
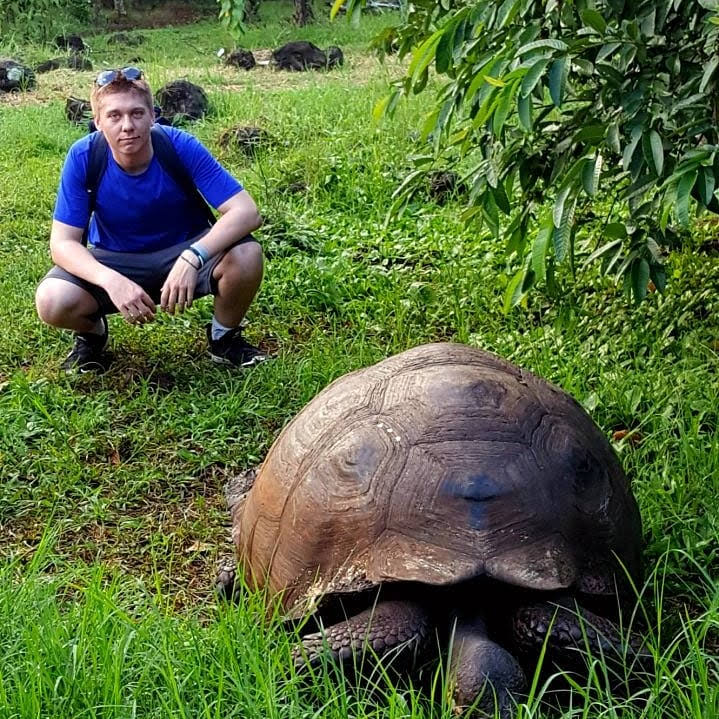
[(465, 488)]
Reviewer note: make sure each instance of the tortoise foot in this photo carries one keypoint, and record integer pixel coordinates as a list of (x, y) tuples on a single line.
[(395, 628), (226, 586), (486, 680), (572, 634)]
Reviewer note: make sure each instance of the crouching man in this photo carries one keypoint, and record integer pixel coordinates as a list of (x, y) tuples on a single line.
[(149, 240)]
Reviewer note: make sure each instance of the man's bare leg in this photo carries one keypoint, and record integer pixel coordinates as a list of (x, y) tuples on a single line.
[(62, 304), (238, 275)]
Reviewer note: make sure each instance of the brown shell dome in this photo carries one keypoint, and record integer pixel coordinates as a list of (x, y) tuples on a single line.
[(437, 465)]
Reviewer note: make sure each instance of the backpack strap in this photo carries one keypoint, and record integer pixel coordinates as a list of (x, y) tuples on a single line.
[(167, 157), (173, 166), (96, 165)]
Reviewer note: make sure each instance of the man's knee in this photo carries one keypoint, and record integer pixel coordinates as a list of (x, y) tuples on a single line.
[(56, 301), (243, 262)]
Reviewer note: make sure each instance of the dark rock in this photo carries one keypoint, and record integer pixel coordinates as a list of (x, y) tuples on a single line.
[(124, 38), (182, 100), (335, 56), (15, 76), (48, 65), (248, 139), (78, 62), (77, 111), (73, 61), (241, 58), (442, 184), (297, 56), (70, 42)]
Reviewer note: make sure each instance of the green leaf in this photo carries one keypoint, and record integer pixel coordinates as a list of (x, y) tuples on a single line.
[(705, 185), (606, 50), (501, 199), (500, 114), (708, 72), (603, 250), (557, 79), (562, 234), (586, 67), (513, 294), (490, 212), (380, 108), (631, 147), (336, 5), (590, 133), (640, 279), (684, 188), (616, 229), (558, 211), (524, 108), (539, 251), (594, 20), (530, 80), (478, 75), (656, 154), (552, 43), (445, 48), (506, 12), (423, 55), (590, 175), (430, 122), (487, 108), (613, 137)]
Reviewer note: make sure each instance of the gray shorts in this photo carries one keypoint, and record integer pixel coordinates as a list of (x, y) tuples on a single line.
[(148, 269)]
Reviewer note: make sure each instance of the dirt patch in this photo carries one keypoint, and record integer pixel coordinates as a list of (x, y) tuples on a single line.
[(359, 69), (178, 542), (167, 14)]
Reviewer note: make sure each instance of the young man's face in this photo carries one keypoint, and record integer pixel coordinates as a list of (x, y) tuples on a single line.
[(125, 120)]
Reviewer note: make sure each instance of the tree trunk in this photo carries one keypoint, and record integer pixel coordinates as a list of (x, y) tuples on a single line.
[(303, 12)]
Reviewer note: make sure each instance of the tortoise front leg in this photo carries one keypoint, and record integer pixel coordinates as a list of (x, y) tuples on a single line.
[(226, 578), (481, 668), (396, 627), (571, 632)]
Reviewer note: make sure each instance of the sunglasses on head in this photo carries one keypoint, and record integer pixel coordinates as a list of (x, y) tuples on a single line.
[(108, 76)]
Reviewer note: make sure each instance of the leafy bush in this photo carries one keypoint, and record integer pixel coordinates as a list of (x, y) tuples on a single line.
[(564, 103)]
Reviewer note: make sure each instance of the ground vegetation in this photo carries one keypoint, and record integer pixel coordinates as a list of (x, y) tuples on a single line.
[(111, 502)]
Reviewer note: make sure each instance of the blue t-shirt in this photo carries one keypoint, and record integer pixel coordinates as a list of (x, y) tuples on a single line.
[(145, 212)]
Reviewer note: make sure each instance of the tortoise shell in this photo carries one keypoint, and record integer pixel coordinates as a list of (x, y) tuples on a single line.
[(437, 465)]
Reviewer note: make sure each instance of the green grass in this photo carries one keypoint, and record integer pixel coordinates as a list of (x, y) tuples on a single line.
[(111, 511)]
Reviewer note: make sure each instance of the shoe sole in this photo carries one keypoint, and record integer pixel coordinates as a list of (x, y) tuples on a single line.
[(86, 369), (217, 359)]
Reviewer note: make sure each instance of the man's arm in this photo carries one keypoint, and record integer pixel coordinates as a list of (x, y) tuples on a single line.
[(238, 217), (69, 253)]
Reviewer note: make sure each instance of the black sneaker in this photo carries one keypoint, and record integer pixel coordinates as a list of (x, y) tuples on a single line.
[(88, 353), (234, 350)]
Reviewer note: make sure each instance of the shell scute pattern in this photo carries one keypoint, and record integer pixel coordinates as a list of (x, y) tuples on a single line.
[(435, 465)]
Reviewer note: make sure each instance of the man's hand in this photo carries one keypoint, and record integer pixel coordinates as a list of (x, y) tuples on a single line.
[(179, 287), (130, 299)]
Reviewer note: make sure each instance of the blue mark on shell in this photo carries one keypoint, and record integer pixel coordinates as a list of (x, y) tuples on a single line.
[(475, 491)]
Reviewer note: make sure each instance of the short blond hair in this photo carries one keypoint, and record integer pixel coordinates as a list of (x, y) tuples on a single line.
[(120, 85)]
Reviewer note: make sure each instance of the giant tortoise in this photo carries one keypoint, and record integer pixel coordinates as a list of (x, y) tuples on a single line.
[(446, 493)]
